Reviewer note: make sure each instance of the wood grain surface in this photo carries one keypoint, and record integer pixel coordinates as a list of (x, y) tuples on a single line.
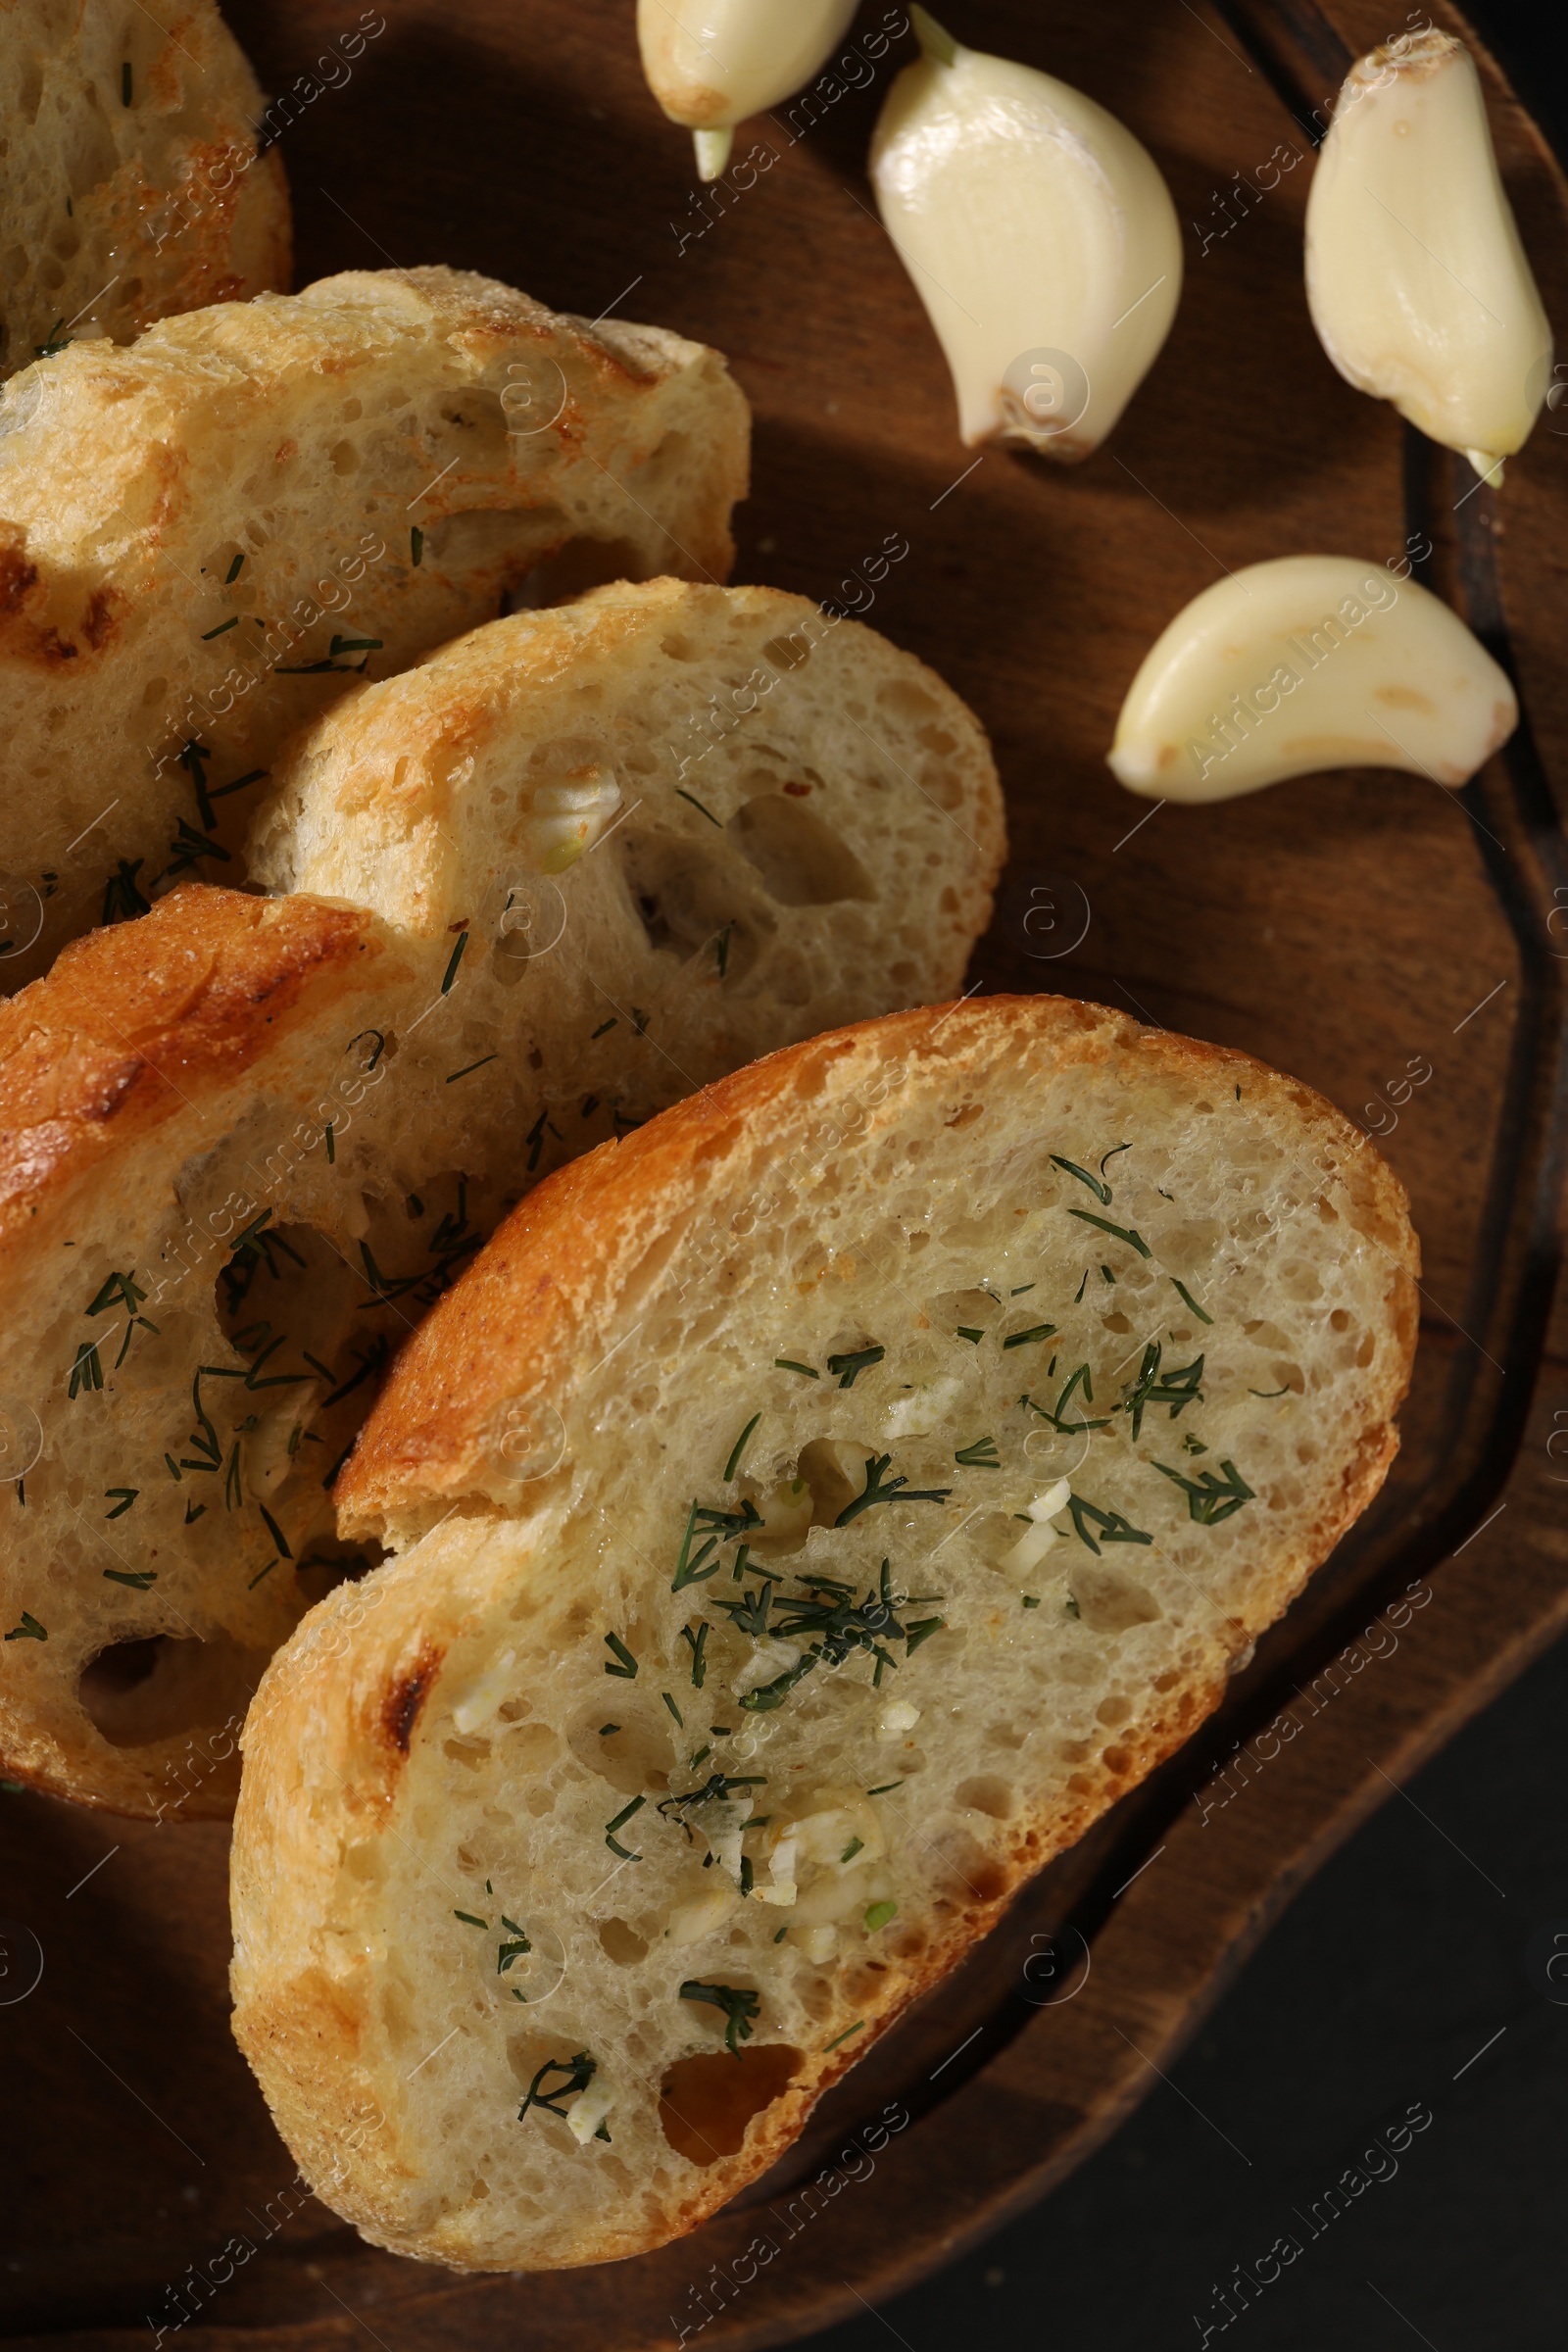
[(1338, 927)]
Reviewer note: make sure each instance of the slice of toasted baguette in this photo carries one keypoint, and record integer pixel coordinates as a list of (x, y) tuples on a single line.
[(130, 182), (643, 903), (192, 1406), (146, 1086), (205, 538), (536, 1822)]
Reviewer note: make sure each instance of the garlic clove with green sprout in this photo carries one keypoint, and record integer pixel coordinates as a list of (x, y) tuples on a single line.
[(1416, 279), (1303, 663), (713, 63), (1039, 237)]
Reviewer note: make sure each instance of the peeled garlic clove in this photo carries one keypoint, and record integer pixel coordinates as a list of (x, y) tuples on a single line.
[(1304, 663), (1415, 276), (1039, 237), (713, 63)]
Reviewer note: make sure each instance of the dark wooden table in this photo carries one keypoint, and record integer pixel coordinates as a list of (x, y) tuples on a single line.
[(1339, 927)]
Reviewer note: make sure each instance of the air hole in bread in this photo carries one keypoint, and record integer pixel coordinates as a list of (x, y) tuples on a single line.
[(622, 1944), (971, 1874), (1111, 1601), (633, 1755), (834, 1470), (705, 2103), (154, 1687), (902, 699), (666, 460), (801, 862), (483, 540), (685, 902), (315, 1341), (479, 422), (987, 1793), (576, 565)]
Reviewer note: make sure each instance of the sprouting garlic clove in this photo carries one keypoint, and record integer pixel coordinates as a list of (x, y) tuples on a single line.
[(1303, 663), (713, 63), (1416, 279), (1038, 233)]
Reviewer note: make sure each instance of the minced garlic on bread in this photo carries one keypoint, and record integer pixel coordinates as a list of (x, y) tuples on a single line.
[(208, 536), (814, 1511)]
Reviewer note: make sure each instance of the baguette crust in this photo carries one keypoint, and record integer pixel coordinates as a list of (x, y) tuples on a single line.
[(135, 1024), (132, 183), (638, 1297)]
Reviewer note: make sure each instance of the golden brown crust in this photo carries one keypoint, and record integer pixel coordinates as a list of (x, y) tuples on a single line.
[(519, 1318), (137, 1020)]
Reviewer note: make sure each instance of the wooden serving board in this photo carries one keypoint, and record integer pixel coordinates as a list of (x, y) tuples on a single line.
[(1344, 928)]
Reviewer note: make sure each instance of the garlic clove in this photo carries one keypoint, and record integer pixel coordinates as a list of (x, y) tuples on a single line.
[(713, 63), (1416, 279), (1303, 663), (1039, 237)]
